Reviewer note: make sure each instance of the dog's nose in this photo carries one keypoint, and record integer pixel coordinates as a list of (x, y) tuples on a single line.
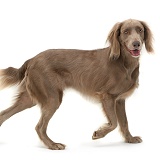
[(136, 44)]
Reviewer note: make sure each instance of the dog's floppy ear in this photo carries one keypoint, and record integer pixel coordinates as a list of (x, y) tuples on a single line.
[(113, 39), (148, 37)]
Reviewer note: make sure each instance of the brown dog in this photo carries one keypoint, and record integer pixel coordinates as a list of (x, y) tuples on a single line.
[(109, 74)]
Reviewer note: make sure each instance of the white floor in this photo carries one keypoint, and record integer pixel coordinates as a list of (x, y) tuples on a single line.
[(30, 27)]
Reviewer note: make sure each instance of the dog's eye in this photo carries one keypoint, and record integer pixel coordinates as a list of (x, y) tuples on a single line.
[(126, 32), (140, 30)]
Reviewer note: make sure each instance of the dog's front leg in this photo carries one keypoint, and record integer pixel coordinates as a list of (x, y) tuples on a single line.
[(123, 123), (108, 104)]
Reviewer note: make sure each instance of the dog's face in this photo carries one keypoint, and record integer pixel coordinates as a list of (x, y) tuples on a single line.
[(132, 37), (129, 36)]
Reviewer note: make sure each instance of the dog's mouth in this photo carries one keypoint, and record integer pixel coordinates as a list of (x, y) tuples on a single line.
[(135, 53)]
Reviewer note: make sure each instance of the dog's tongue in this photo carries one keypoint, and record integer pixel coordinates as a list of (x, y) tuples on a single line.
[(135, 52)]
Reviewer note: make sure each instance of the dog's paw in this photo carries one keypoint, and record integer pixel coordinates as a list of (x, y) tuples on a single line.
[(134, 140), (97, 135), (1, 119), (102, 131), (57, 146)]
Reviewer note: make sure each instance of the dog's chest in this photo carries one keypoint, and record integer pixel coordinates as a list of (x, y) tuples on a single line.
[(128, 87), (125, 83)]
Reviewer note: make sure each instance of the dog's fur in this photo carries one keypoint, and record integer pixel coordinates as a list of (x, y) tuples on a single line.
[(109, 74)]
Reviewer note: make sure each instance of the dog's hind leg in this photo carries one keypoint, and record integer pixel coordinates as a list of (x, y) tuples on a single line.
[(22, 102), (48, 109)]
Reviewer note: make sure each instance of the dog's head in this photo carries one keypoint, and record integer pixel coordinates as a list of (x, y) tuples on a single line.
[(130, 35)]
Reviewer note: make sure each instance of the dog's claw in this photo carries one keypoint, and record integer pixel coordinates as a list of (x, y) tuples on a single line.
[(57, 146), (94, 137)]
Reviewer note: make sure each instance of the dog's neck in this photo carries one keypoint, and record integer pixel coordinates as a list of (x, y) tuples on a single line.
[(130, 63)]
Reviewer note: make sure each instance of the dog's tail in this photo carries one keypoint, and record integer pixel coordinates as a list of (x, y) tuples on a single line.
[(12, 76)]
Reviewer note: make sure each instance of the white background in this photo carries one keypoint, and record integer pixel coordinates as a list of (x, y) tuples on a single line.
[(31, 26)]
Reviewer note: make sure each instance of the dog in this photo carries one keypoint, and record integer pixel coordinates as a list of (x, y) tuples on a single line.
[(109, 74)]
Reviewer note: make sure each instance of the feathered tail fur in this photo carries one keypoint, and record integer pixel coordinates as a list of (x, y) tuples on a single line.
[(12, 76)]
